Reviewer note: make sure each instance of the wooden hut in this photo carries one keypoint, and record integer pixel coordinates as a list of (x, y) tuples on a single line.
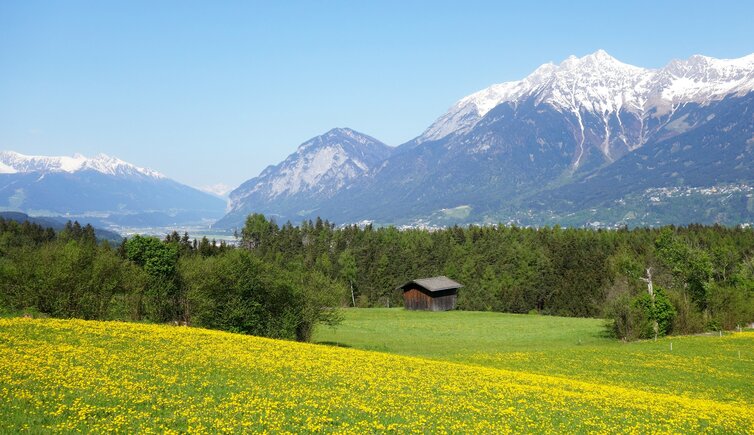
[(430, 294)]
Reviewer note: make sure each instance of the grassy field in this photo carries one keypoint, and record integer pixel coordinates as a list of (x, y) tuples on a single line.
[(708, 367), (71, 375), (455, 335)]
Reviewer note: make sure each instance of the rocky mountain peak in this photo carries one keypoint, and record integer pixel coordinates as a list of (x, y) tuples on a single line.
[(320, 167), (602, 85)]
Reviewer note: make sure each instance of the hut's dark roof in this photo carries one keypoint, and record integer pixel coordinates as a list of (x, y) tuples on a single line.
[(434, 284)]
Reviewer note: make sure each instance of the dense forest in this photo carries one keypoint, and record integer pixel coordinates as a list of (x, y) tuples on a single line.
[(282, 280)]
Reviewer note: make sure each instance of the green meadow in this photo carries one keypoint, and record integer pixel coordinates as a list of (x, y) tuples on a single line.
[(705, 366)]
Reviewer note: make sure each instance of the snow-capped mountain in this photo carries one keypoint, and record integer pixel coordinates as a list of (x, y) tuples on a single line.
[(319, 169), (114, 191), (600, 83), (616, 94), (12, 162), (563, 144)]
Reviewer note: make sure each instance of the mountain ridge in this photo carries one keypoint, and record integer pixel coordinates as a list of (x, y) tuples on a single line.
[(318, 169), (507, 145), (109, 189), (12, 162), (639, 87)]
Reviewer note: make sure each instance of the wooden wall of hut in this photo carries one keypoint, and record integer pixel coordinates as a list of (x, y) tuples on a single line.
[(418, 298)]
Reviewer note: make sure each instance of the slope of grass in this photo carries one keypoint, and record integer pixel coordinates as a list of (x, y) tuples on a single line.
[(72, 375), (708, 367), (455, 335)]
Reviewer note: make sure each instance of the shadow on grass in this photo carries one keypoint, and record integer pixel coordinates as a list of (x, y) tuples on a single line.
[(331, 343), (607, 331)]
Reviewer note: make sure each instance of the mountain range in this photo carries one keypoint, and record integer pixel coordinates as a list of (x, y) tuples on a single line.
[(103, 190), (588, 141)]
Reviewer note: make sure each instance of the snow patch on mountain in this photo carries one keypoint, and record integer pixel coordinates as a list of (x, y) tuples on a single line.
[(6, 169), (704, 79), (600, 84), (13, 162), (469, 110)]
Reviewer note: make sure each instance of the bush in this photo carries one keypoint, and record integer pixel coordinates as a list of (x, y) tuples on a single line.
[(626, 320), (237, 291), (633, 317), (661, 311), (729, 307)]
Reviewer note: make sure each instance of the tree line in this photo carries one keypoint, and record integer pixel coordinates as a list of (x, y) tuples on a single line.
[(700, 277), (280, 281), (70, 274)]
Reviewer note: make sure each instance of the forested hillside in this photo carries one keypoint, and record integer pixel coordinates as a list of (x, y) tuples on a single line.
[(283, 280)]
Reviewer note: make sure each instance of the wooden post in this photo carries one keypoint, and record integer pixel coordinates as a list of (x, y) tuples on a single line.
[(651, 291)]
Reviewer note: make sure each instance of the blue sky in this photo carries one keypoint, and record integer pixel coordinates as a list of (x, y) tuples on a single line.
[(213, 92)]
